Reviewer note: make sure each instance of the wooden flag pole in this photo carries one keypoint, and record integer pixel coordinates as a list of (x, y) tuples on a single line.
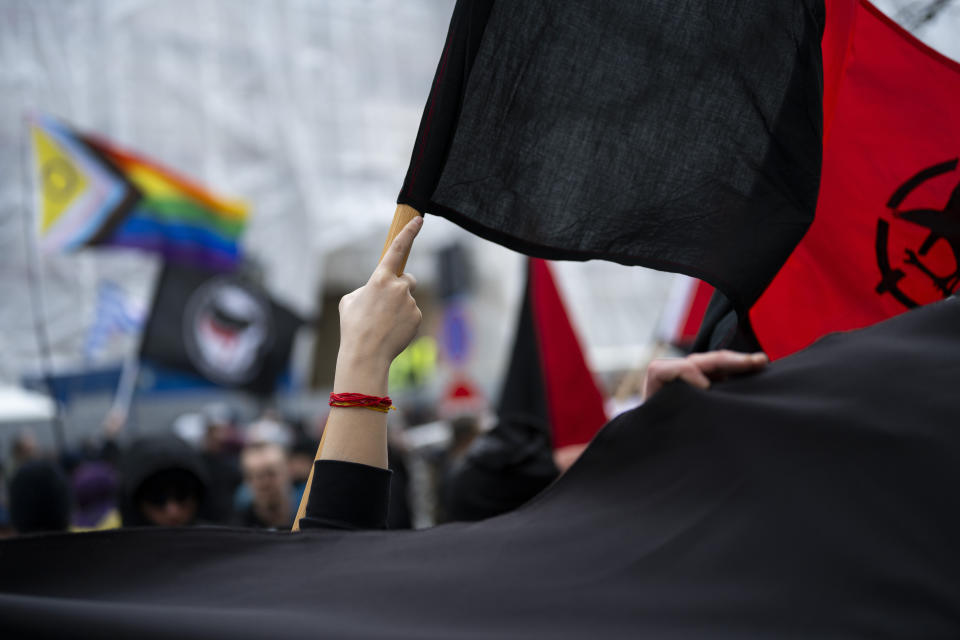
[(401, 217)]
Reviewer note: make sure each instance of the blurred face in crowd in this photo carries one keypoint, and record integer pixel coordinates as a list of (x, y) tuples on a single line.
[(266, 472), (25, 447), (216, 437), (172, 512), (170, 498)]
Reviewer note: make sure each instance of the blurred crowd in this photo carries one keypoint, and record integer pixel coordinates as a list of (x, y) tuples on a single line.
[(208, 469), (212, 468)]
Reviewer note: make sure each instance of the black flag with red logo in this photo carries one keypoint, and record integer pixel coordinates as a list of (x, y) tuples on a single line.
[(681, 135), (219, 326)]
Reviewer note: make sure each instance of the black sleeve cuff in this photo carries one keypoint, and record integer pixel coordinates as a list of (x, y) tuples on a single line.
[(347, 495)]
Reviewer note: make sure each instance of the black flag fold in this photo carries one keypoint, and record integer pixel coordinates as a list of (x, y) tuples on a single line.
[(815, 499)]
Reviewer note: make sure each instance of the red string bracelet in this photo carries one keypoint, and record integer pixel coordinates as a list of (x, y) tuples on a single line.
[(361, 400)]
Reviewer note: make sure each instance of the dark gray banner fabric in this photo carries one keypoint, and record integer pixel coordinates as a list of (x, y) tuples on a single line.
[(814, 499)]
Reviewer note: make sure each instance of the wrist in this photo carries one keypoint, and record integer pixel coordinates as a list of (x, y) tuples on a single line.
[(357, 373)]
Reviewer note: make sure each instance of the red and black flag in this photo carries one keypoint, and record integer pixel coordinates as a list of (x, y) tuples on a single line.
[(886, 236), (549, 401), (219, 326), (682, 135), (548, 381)]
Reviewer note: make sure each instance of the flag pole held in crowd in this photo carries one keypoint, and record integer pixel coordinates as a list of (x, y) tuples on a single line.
[(37, 306), (433, 138), (401, 216)]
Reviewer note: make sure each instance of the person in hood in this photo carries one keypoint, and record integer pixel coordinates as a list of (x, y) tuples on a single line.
[(39, 498), (501, 470), (163, 483)]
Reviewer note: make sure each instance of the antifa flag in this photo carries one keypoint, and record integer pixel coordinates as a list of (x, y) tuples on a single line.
[(219, 327), (886, 237), (816, 498), (548, 382), (682, 135)]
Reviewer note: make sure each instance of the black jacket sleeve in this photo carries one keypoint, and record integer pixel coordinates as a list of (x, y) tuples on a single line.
[(347, 495)]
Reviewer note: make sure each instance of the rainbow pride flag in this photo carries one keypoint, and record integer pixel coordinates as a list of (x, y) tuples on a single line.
[(94, 194)]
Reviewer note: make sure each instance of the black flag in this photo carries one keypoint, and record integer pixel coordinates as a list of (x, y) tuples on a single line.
[(682, 135), (219, 326)]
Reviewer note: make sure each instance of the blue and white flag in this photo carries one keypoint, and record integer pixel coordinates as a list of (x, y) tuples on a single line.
[(116, 314)]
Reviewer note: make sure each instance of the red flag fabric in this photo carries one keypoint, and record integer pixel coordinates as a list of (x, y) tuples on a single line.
[(574, 402), (695, 312), (684, 311), (886, 236)]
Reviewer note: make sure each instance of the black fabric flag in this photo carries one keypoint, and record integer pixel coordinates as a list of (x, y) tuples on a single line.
[(814, 499), (219, 326), (677, 134)]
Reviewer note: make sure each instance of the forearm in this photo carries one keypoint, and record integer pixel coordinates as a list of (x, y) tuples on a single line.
[(347, 497), (356, 434)]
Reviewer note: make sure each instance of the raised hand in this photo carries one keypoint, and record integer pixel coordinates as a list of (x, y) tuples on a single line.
[(701, 369), (378, 320)]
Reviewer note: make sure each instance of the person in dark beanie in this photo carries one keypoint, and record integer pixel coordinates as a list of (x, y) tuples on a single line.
[(39, 498), (163, 483)]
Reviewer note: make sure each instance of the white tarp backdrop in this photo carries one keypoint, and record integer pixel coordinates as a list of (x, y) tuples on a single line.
[(305, 108), (936, 22), (19, 406)]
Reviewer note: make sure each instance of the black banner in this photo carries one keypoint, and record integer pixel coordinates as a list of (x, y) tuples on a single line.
[(817, 498)]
